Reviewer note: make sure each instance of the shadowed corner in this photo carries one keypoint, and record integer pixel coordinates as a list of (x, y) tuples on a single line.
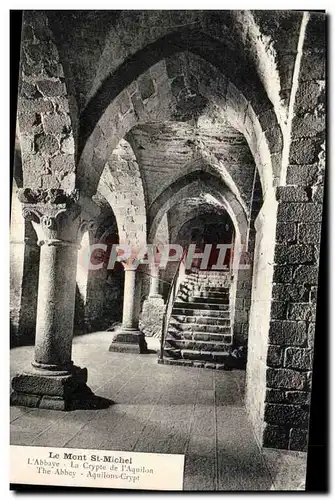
[(87, 400)]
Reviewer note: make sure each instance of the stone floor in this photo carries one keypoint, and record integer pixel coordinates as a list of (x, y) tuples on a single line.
[(162, 409)]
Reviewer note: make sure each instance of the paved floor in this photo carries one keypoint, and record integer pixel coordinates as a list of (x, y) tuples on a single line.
[(162, 409)]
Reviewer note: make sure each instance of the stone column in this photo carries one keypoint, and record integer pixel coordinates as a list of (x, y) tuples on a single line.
[(153, 306), (154, 283), (54, 381), (129, 338)]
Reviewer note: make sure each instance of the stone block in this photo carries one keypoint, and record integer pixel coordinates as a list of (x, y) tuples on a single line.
[(275, 356), (129, 341), (288, 415), (56, 124), (294, 254), (67, 145), (46, 144), (304, 151), (298, 439), (302, 311), (309, 233), (28, 400), (285, 232), (302, 175), (292, 292), (146, 86), (282, 274), (35, 106), (306, 274), (276, 436), (51, 88), (274, 138), (299, 212), (299, 358), (312, 66), (318, 193), (284, 378), (40, 384), (308, 96), (298, 397), (278, 310), (291, 193), (275, 396), (30, 91), (311, 334), (62, 163), (309, 381), (57, 392), (308, 125)]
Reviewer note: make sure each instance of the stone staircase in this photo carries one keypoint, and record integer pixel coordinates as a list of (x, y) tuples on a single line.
[(199, 331)]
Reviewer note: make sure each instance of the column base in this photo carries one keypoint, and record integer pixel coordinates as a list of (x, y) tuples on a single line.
[(129, 340), (55, 391)]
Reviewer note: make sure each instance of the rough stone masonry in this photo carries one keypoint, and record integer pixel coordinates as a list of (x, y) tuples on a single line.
[(143, 127)]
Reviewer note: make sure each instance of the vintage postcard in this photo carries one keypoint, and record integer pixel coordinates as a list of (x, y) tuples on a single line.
[(165, 244)]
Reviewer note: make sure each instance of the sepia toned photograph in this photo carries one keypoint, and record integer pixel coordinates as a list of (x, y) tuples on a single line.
[(166, 221)]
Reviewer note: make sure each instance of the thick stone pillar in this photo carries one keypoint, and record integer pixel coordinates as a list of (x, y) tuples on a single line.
[(129, 338), (54, 381)]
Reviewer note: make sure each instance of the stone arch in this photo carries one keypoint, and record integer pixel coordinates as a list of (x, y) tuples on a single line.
[(122, 187), (239, 30), (149, 97), (99, 292), (201, 209), (196, 184), (207, 163)]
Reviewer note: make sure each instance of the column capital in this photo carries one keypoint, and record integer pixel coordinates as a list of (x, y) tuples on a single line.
[(56, 215)]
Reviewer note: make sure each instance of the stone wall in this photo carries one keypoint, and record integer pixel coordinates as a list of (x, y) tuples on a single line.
[(244, 280), (24, 271), (46, 113), (293, 311)]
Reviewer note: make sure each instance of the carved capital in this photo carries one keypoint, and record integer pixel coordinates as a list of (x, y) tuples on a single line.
[(87, 225), (48, 196), (54, 221)]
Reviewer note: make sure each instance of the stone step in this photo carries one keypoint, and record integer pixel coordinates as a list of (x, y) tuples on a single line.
[(213, 292), (209, 286), (210, 289), (182, 296), (171, 352), (207, 279), (201, 336), (182, 310), (200, 320), (214, 356), (208, 300), (201, 306), (203, 356), (194, 327), (205, 273), (198, 346), (186, 286), (193, 363)]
